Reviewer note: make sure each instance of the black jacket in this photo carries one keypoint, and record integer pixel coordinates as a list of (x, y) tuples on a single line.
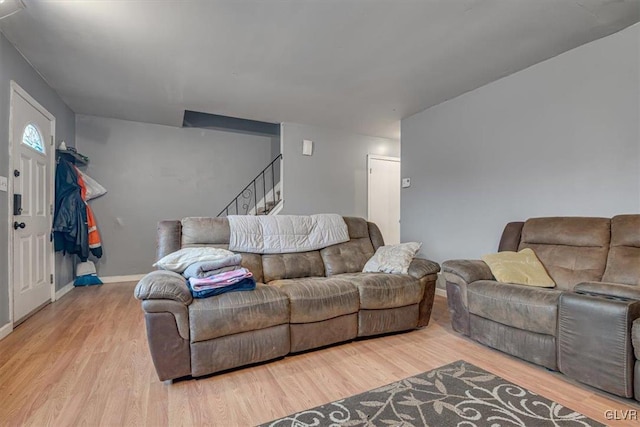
[(70, 233)]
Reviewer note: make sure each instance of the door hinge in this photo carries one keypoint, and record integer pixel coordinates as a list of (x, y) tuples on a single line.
[(52, 140), (370, 170), (51, 279), (51, 209)]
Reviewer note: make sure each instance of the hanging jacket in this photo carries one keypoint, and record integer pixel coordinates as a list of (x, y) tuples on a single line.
[(70, 231), (93, 235)]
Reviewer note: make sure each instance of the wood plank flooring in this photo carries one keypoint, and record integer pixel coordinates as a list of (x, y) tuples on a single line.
[(83, 360)]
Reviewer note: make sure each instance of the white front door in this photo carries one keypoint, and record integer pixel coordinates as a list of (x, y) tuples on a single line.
[(32, 153), (384, 196)]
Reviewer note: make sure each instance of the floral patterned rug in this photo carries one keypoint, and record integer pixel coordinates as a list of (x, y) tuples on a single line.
[(458, 394)]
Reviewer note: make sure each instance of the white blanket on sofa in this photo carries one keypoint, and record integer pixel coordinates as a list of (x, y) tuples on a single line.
[(278, 234)]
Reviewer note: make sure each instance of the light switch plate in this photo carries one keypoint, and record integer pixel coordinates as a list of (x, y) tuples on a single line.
[(3, 183), (307, 147), (406, 182)]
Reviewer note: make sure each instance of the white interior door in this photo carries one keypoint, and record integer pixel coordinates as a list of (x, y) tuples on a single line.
[(32, 153), (384, 196)]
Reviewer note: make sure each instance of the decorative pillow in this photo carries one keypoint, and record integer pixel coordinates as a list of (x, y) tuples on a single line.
[(178, 261), (522, 268), (392, 258)]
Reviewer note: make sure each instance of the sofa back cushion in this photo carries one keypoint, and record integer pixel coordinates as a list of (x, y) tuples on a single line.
[(351, 256), (215, 232), (292, 266), (623, 263), (200, 231), (347, 257), (572, 249)]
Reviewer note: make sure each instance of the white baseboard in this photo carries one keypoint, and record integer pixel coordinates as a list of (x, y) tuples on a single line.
[(65, 290), (441, 292), (117, 279), (6, 330)]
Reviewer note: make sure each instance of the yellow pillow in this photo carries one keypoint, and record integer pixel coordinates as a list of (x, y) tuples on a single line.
[(523, 268)]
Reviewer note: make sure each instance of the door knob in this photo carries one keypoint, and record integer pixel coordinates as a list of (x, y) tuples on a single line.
[(17, 225)]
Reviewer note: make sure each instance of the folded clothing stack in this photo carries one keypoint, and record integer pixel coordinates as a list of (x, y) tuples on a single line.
[(237, 280), (209, 278)]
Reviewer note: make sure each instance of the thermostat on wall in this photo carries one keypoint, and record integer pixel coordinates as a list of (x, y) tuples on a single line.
[(406, 182)]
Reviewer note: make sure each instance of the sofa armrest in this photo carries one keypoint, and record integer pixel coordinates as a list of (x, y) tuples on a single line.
[(458, 274), (179, 311), (427, 273), (616, 290), (421, 267), (163, 284), (467, 270), (635, 340)]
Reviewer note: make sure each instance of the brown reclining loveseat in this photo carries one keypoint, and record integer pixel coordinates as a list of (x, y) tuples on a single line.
[(582, 327), (303, 301)]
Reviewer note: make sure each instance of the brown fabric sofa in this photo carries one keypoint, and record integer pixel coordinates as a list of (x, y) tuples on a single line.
[(582, 327), (302, 301)]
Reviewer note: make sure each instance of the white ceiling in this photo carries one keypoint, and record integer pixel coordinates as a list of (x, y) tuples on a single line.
[(360, 65)]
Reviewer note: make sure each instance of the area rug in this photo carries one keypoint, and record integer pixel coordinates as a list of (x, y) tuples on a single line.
[(458, 394)]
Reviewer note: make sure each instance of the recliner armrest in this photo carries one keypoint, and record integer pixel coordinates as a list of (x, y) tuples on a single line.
[(458, 274), (617, 290), (421, 267), (467, 270), (163, 284)]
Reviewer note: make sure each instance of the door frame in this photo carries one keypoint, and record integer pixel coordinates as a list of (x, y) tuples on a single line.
[(16, 90), (369, 189)]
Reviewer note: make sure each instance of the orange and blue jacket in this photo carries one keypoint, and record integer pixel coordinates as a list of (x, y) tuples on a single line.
[(95, 243)]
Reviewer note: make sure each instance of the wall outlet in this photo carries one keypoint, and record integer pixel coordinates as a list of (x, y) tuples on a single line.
[(406, 182), (3, 183)]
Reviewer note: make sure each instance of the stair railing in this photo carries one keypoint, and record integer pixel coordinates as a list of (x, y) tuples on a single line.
[(247, 201)]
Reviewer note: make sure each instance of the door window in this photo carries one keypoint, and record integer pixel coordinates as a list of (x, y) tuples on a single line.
[(33, 138)]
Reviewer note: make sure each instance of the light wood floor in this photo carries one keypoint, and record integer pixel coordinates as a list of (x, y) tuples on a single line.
[(84, 360)]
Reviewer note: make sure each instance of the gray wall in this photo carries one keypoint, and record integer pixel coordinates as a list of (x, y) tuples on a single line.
[(275, 151), (334, 179), (154, 172), (559, 138), (14, 67), (275, 146)]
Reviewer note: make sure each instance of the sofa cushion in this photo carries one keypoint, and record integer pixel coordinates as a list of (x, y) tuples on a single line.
[(236, 312), (351, 256), (197, 231), (375, 235), (383, 290), (358, 227), (313, 299), (292, 266), (523, 307), (623, 264), (347, 257), (572, 249)]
